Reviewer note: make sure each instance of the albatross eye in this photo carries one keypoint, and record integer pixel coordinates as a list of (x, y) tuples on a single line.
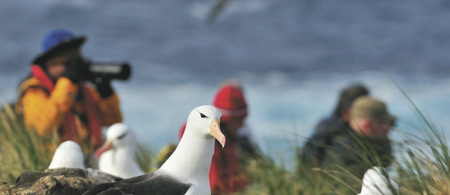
[(202, 115), (122, 136)]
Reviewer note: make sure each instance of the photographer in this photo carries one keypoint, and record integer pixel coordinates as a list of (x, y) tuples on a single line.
[(61, 94)]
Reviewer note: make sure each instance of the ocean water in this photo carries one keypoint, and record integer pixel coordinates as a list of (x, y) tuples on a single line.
[(293, 58)]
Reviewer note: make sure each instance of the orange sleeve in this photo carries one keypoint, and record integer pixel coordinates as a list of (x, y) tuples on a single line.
[(109, 109), (45, 112)]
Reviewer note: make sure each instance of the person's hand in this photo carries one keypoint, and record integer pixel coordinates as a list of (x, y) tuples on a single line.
[(75, 70), (103, 86)]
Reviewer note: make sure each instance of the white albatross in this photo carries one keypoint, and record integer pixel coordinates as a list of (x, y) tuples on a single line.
[(67, 155), (116, 155), (377, 183), (187, 169)]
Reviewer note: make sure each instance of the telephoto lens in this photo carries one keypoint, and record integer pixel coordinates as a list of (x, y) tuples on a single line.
[(120, 71)]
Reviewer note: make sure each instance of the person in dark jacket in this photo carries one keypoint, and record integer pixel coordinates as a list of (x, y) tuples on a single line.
[(368, 143), (327, 129)]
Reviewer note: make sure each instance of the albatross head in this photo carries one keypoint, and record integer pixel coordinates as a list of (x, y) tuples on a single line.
[(118, 136), (68, 155), (206, 119)]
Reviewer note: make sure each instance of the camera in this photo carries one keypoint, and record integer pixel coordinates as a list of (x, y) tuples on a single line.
[(109, 70)]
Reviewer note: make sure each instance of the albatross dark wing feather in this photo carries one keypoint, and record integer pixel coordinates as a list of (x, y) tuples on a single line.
[(144, 184)]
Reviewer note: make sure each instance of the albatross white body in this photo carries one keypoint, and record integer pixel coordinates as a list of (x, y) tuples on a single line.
[(375, 183), (67, 155), (191, 161), (116, 156)]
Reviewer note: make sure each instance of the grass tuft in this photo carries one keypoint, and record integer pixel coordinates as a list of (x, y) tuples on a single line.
[(21, 148)]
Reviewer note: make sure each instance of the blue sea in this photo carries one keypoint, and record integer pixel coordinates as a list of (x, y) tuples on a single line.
[(293, 58)]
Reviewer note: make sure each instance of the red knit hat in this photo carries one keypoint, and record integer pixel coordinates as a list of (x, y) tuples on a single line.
[(231, 102)]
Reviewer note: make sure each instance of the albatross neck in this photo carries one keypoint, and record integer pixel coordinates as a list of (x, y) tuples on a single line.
[(192, 158)]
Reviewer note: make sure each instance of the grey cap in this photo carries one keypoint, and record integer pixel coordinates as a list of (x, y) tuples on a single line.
[(368, 107)]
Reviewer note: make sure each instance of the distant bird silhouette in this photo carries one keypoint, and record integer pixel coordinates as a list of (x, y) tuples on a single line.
[(216, 10)]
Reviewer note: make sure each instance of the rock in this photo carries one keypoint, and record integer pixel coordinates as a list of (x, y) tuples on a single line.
[(53, 181), (56, 181), (4, 188)]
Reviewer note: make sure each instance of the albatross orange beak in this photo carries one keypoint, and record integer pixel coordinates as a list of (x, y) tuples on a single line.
[(215, 131), (108, 145)]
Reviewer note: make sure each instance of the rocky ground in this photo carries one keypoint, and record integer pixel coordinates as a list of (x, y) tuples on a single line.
[(56, 181)]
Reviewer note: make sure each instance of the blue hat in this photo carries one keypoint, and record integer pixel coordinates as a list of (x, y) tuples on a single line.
[(56, 42)]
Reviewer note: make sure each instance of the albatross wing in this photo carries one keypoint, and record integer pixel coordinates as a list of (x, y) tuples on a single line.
[(144, 184)]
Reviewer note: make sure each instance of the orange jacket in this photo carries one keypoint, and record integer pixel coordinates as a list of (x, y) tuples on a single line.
[(46, 108)]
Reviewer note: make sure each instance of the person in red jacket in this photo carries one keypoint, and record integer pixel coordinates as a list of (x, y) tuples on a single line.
[(58, 97), (226, 176)]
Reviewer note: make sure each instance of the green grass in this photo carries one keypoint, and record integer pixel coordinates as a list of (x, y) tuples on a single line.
[(21, 148), (423, 168)]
